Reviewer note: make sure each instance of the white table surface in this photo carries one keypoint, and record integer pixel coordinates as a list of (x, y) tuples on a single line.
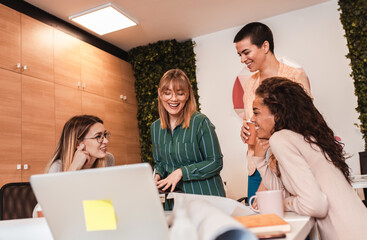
[(359, 181), (301, 226), (37, 228), (27, 229)]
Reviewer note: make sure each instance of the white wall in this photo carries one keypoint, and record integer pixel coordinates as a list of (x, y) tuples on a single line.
[(313, 37)]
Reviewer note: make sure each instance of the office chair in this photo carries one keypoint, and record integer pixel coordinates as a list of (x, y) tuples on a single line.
[(17, 200), (244, 200), (363, 165)]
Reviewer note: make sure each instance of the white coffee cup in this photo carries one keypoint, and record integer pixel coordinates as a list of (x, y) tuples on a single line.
[(269, 202)]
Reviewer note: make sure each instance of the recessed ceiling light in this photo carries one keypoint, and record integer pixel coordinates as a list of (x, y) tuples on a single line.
[(103, 19)]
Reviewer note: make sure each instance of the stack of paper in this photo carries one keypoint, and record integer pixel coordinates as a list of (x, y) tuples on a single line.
[(213, 216)]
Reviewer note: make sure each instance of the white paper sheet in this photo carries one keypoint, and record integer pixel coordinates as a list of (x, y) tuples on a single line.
[(227, 205), (212, 216)]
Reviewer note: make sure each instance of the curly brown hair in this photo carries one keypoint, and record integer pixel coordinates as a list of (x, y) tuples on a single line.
[(293, 109)]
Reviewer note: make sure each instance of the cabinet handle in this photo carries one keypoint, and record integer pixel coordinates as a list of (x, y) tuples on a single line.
[(19, 166), (123, 98), (25, 67), (79, 84), (25, 167), (84, 85), (19, 65)]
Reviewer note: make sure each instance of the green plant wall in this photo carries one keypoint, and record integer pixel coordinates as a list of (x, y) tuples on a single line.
[(353, 15), (150, 63)]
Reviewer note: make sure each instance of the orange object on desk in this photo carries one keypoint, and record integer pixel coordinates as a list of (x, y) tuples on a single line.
[(264, 223), (40, 214)]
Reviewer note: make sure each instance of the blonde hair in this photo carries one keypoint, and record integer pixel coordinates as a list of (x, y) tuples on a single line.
[(72, 134), (179, 81)]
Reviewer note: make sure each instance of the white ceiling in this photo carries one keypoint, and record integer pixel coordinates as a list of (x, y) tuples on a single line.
[(175, 19)]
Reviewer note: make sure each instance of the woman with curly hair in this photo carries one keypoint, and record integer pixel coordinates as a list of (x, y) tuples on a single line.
[(310, 165)]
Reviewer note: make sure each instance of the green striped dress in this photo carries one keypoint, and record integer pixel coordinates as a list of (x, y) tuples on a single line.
[(195, 150)]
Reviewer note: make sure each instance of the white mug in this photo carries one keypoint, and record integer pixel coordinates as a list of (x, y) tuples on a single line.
[(269, 202)]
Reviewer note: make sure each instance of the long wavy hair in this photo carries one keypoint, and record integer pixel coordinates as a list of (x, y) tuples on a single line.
[(74, 131), (293, 109), (179, 82)]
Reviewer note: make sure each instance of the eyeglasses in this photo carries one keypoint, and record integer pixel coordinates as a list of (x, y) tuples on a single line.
[(169, 94), (101, 137)]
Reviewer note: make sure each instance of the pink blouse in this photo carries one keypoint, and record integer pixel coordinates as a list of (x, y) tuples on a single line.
[(250, 86), (315, 187)]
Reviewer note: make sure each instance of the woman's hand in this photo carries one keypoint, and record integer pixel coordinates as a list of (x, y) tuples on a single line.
[(261, 146), (170, 181), (254, 204), (244, 132), (157, 178), (81, 157)]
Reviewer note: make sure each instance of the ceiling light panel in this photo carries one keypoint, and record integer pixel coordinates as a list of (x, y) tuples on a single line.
[(103, 19)]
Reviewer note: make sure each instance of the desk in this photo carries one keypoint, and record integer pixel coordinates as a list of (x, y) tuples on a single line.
[(301, 226), (359, 181), (27, 229), (37, 228)]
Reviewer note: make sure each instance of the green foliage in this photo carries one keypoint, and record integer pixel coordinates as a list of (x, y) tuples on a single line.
[(150, 63), (354, 19)]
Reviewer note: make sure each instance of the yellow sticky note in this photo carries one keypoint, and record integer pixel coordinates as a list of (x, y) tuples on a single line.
[(99, 215)]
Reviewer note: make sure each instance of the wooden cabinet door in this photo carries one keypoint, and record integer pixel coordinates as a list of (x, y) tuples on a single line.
[(38, 125), (37, 49), (66, 59), (114, 122), (120, 119), (93, 105), (91, 69), (128, 82), (9, 38), (118, 78), (131, 134), (68, 103), (10, 126), (112, 77)]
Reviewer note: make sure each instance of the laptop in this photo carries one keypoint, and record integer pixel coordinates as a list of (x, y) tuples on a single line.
[(120, 202)]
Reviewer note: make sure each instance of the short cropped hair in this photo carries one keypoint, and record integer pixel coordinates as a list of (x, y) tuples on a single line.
[(258, 34)]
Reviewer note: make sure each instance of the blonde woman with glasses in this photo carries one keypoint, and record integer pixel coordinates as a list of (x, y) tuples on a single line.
[(82, 145), (186, 150)]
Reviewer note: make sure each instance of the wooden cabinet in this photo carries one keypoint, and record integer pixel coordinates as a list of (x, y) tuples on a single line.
[(9, 38), (57, 77), (91, 81), (26, 45), (91, 69), (10, 127), (118, 79), (37, 49), (38, 125), (68, 103), (67, 60)]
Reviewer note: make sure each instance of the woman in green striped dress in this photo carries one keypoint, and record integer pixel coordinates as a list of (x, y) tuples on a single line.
[(186, 150)]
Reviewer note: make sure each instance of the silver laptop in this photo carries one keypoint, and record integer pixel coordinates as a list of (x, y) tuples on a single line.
[(119, 202)]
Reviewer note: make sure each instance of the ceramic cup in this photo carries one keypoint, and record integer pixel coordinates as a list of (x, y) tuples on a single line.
[(269, 202)]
